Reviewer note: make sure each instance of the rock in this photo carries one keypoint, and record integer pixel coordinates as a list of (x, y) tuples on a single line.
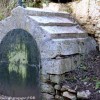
[(83, 94), (57, 97), (57, 87), (45, 78), (65, 88), (69, 95), (56, 78), (98, 25), (98, 91), (97, 31), (85, 83), (47, 88), (46, 96), (71, 90)]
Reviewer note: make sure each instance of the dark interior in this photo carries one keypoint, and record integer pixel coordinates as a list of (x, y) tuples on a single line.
[(61, 1)]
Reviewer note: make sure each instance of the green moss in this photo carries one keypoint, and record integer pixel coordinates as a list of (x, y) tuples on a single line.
[(18, 60), (97, 84)]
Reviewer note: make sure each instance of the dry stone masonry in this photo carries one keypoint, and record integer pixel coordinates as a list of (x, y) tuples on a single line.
[(88, 16), (61, 41)]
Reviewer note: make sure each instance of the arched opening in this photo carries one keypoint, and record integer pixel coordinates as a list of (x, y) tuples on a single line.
[(19, 64), (61, 1)]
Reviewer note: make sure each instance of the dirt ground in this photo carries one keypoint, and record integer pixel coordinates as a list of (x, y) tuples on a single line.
[(87, 77)]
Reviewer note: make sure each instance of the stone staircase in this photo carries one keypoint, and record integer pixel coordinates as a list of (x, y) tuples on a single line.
[(58, 25), (68, 41), (65, 48)]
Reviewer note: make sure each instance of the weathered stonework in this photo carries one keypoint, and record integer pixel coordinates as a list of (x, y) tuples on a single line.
[(88, 17), (86, 12), (60, 39)]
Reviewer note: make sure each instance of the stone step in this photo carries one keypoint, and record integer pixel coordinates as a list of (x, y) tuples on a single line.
[(45, 12), (60, 66), (56, 47), (53, 21), (67, 47), (65, 31)]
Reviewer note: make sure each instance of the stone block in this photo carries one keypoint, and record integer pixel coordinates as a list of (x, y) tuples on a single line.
[(83, 94), (69, 95), (45, 78), (47, 88), (57, 87), (51, 21), (98, 25), (46, 96), (60, 66), (56, 78), (56, 66), (54, 47)]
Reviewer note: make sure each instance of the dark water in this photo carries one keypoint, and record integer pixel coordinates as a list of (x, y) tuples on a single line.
[(19, 65), (61, 1)]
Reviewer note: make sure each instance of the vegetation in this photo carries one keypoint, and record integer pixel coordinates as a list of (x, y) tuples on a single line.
[(5, 8), (7, 5)]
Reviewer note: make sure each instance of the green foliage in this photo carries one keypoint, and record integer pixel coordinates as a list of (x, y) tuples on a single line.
[(6, 7), (11, 5), (1, 16), (83, 67), (33, 4), (97, 86), (85, 79), (4, 2), (46, 1)]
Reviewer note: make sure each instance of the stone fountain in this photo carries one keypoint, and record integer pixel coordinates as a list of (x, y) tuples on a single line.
[(38, 47)]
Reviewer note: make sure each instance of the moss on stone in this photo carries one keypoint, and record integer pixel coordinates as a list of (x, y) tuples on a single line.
[(19, 62)]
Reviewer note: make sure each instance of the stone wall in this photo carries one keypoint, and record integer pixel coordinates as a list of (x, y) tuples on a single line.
[(87, 12)]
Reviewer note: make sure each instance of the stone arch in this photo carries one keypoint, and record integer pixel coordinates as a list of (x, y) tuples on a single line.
[(19, 64)]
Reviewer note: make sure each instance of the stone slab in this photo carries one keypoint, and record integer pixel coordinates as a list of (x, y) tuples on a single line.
[(69, 95), (45, 12), (51, 21), (63, 29), (61, 47), (60, 66)]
